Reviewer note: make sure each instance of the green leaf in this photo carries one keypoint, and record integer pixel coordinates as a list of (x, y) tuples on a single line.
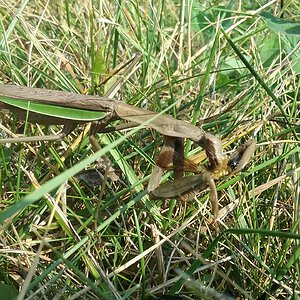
[(99, 68), (269, 49), (54, 110), (284, 26), (8, 292), (202, 19), (222, 78), (236, 65)]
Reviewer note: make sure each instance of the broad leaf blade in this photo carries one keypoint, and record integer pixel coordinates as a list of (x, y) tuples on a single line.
[(284, 26)]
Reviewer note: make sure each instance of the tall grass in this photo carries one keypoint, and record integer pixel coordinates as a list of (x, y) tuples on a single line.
[(216, 65)]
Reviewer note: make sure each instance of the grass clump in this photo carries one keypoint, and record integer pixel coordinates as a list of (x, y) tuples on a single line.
[(232, 69)]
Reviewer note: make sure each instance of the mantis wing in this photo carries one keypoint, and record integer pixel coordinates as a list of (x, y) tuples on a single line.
[(180, 187)]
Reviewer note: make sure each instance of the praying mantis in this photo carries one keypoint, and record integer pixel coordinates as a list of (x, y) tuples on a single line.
[(36, 105)]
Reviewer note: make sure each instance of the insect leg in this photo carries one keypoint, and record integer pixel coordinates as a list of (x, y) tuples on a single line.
[(162, 162)]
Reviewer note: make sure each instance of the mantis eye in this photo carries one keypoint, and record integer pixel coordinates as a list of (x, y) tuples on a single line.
[(232, 163)]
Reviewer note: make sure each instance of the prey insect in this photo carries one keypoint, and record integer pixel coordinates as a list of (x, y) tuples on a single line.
[(37, 105), (219, 165)]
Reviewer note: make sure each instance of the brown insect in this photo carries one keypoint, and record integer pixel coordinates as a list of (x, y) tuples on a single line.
[(219, 165)]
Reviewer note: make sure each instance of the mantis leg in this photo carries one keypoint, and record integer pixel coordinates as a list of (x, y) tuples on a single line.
[(162, 162), (213, 197), (154, 181), (99, 126), (171, 156), (67, 129)]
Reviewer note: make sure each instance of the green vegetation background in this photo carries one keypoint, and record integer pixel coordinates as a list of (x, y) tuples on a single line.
[(232, 67)]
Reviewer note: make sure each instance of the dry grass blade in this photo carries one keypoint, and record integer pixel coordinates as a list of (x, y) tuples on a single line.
[(244, 87)]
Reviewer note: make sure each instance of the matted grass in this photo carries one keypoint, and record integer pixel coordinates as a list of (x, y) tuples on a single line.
[(219, 65)]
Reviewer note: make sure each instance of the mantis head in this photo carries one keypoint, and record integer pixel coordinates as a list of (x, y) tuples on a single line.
[(219, 164)]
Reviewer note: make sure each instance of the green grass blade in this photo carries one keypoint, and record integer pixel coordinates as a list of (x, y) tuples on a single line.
[(259, 79)]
